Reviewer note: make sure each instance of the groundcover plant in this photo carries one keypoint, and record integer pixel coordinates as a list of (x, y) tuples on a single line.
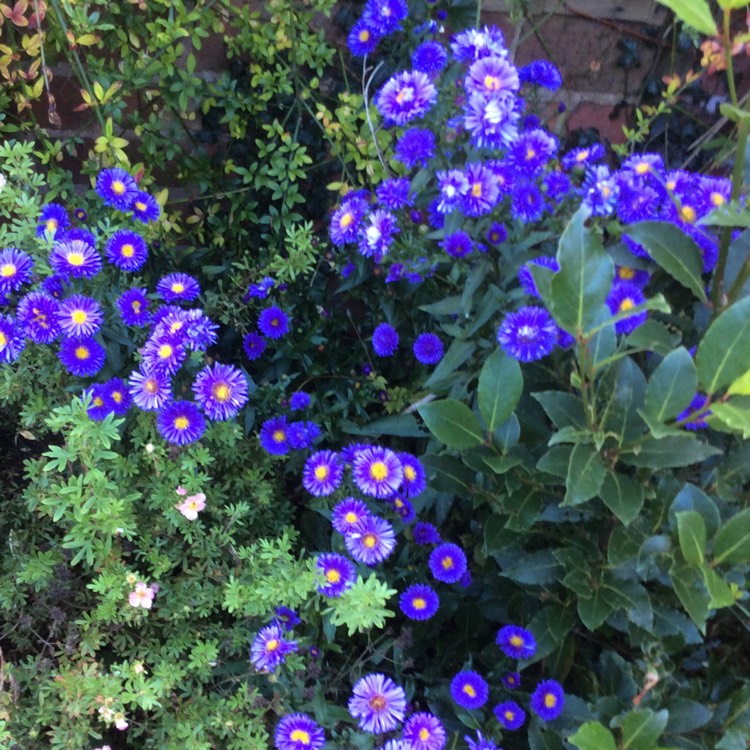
[(476, 478)]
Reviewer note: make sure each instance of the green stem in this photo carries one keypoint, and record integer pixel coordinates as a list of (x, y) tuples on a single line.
[(479, 14), (728, 58)]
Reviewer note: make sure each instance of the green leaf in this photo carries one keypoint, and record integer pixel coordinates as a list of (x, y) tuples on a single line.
[(594, 610), (672, 386), (556, 461), (652, 336), (691, 497), (630, 596), (535, 568), (641, 728), (732, 541), (593, 736), (732, 4), (718, 589), (453, 423), (403, 425), (448, 474), (670, 452), (691, 531), (501, 464), (695, 13), (724, 352), (500, 387), (458, 352), (688, 585), (677, 253), (586, 473), (580, 288), (732, 415), (623, 495), (562, 408), (549, 626), (686, 715)]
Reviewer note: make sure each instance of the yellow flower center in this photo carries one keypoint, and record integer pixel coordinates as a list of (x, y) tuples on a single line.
[(3, 340), (181, 423), (369, 540), (76, 259), (118, 187), (351, 517), (378, 703), (509, 715), (79, 316), (364, 35), (8, 270), (165, 351), (300, 735), (278, 436), (476, 190), (333, 576), (151, 386), (136, 306), (516, 640), (127, 251), (98, 401), (491, 83), (321, 472), (409, 473), (642, 168), (717, 199), (346, 220), (117, 397), (378, 471), (583, 155), (424, 734), (530, 154), (272, 645), (51, 225), (447, 563), (626, 273), (419, 603), (221, 392), (81, 352), (626, 304), (140, 206), (687, 213), (469, 690), (174, 327), (549, 700), (178, 287)]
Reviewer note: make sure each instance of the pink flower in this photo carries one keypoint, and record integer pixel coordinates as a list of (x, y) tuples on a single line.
[(191, 506), (181, 491), (143, 596), (120, 721)]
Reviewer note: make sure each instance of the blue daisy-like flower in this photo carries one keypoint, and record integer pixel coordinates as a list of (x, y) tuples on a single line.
[(457, 244), (473, 44), (163, 355), (548, 700), (511, 680), (497, 234), (54, 286), (600, 190), (274, 438), (470, 690), (377, 471), (221, 391), (80, 214), (132, 306), (270, 649), (492, 122), (79, 316), (362, 39), (76, 233), (419, 602), (528, 334), (116, 188), (480, 743), (37, 316), (75, 259), (116, 396), (424, 731), (298, 732), (273, 322), (385, 16), (337, 574), (180, 422), (492, 77), (426, 533), (347, 219), (371, 540), (516, 642), (430, 57), (414, 480), (15, 269), (150, 390), (406, 96), (580, 157), (532, 150), (378, 703), (178, 287), (347, 514), (541, 73), (286, 618), (527, 202), (302, 435), (53, 218), (126, 250), (510, 715), (415, 147), (447, 562), (322, 473), (12, 340), (377, 234), (428, 349), (385, 340), (623, 297), (82, 357), (145, 207), (527, 280), (299, 401), (393, 193), (98, 409), (483, 192), (254, 345), (404, 509)]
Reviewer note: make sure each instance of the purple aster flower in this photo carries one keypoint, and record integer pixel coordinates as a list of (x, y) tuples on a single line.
[(80, 214), (512, 680), (430, 57), (428, 349), (481, 743), (696, 413), (116, 188), (82, 357), (516, 642), (473, 44), (623, 297), (424, 731), (298, 732), (299, 401), (76, 233), (347, 514), (581, 157), (337, 574), (415, 147), (269, 649), (132, 305), (385, 340), (12, 340), (180, 422), (541, 73), (425, 533), (75, 259), (53, 218), (454, 186), (636, 248), (715, 191), (556, 185), (548, 700), (126, 250), (636, 276), (377, 471), (510, 715), (54, 286), (346, 220), (528, 334), (394, 193), (458, 244), (403, 508), (178, 287), (419, 602), (201, 331), (37, 316), (406, 96), (527, 202), (492, 77), (527, 280), (483, 192), (15, 269), (470, 690), (285, 618), (371, 540), (385, 16), (636, 202), (497, 234), (97, 409), (150, 390), (302, 435), (221, 391), (163, 355), (79, 316), (532, 150), (145, 207), (362, 40), (644, 165), (323, 473), (273, 322), (116, 396), (599, 190), (379, 704), (447, 562), (260, 290), (376, 235), (254, 345), (273, 436), (414, 481)]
